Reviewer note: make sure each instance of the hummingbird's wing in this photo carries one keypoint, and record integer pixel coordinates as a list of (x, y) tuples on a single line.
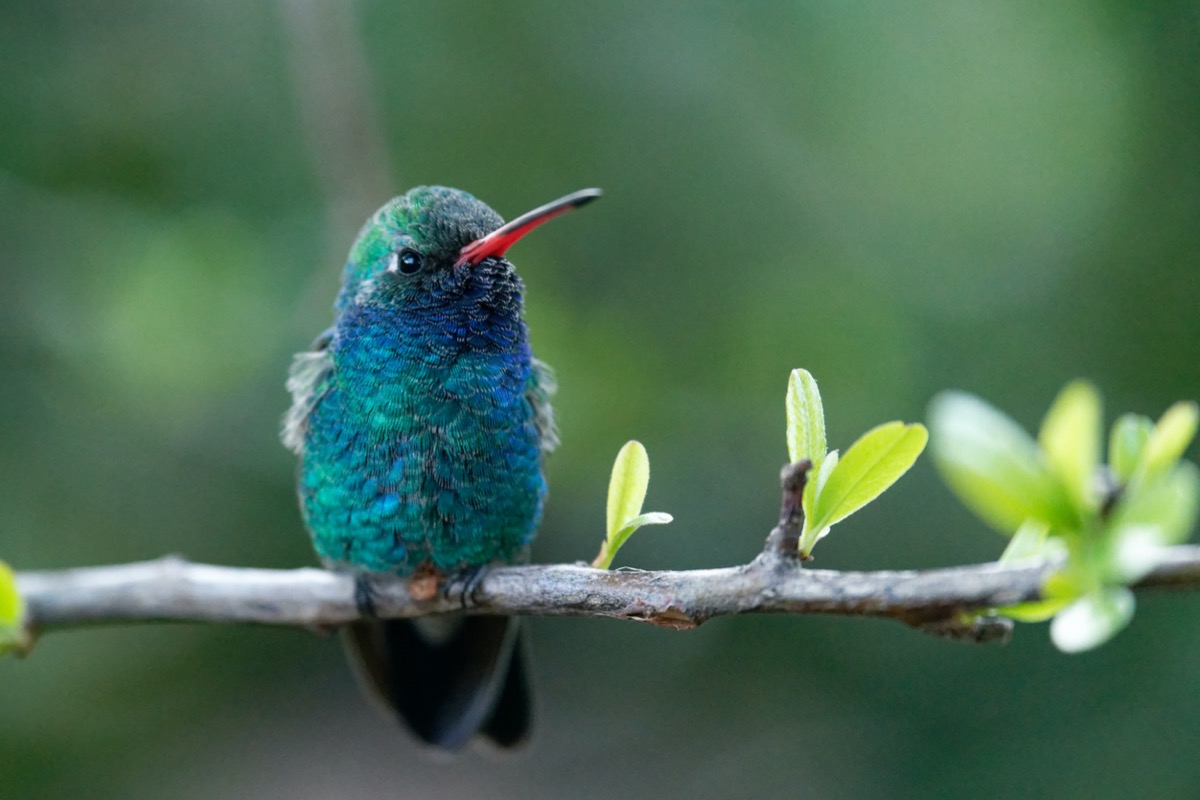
[(308, 380), (542, 386)]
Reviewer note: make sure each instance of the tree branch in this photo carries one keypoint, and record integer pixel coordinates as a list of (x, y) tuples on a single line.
[(171, 589), (946, 602)]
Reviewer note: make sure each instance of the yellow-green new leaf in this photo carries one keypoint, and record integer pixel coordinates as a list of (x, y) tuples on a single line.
[(816, 484), (1167, 502), (626, 493), (1126, 444), (13, 635), (1092, 619), (627, 486), (994, 466), (805, 419), (1034, 611), (1032, 541), (871, 465), (1059, 590), (1171, 436), (612, 544), (1070, 438)]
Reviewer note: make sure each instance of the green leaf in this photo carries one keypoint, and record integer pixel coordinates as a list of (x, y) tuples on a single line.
[(827, 467), (1070, 438), (1035, 611), (626, 493), (1167, 503), (649, 518), (1183, 484), (1031, 541), (627, 486), (1170, 437), (870, 466), (1092, 619), (805, 419), (993, 465), (1126, 444), (14, 637), (814, 487), (1135, 551), (608, 550), (1066, 584)]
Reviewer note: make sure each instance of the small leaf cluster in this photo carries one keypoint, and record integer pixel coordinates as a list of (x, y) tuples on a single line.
[(839, 486), (1109, 523), (626, 493)]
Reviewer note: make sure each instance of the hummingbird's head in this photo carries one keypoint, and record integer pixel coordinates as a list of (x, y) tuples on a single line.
[(424, 245)]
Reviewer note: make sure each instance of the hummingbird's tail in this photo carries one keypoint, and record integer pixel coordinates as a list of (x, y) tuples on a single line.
[(448, 679)]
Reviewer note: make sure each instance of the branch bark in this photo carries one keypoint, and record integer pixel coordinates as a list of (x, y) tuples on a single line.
[(946, 602), (172, 589)]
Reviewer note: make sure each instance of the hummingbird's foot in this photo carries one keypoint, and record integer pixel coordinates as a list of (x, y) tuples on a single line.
[(364, 597), (463, 585)]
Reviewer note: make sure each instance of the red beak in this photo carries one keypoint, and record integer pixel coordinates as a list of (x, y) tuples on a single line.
[(496, 243)]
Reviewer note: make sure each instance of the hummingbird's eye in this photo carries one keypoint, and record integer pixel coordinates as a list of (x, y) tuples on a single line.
[(406, 262)]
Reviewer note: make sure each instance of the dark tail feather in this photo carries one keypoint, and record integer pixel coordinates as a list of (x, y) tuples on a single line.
[(512, 716), (448, 684)]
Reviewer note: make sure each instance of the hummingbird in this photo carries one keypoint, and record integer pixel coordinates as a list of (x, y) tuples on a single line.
[(421, 420)]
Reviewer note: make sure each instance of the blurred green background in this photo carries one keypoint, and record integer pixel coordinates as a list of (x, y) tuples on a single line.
[(901, 198)]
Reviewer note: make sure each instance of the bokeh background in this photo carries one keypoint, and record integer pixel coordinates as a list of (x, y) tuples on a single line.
[(902, 198)]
